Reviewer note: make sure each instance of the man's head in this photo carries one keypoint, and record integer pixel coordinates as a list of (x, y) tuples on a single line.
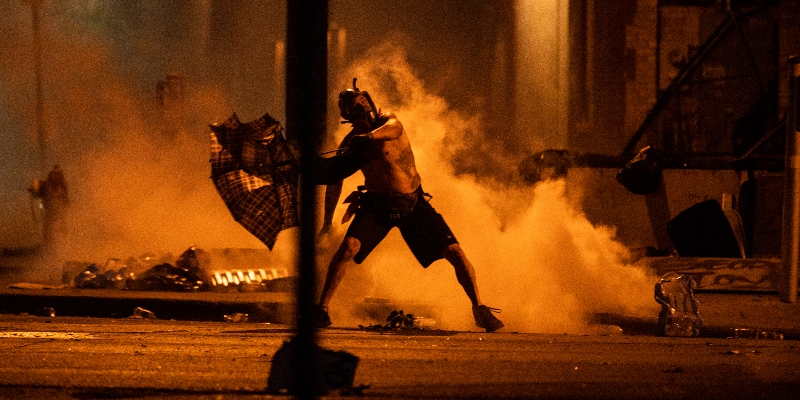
[(356, 107)]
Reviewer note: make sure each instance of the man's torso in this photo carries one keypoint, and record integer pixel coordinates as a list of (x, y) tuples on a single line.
[(389, 167)]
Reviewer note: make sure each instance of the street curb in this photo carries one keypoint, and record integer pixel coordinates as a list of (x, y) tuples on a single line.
[(259, 307), (725, 316), (633, 325)]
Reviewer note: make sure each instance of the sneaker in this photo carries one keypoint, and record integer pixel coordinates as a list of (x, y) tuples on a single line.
[(485, 319), (320, 318)]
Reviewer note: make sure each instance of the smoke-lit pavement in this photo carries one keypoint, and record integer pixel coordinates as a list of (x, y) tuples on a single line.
[(64, 357)]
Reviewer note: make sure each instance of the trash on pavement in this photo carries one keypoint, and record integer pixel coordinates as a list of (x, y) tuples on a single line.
[(48, 312), (753, 333), (236, 317), (744, 333), (769, 335), (192, 271), (142, 313), (679, 316), (167, 278), (92, 277), (424, 323), (185, 276), (399, 320)]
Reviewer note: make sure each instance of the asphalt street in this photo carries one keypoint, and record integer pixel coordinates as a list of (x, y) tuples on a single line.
[(68, 357)]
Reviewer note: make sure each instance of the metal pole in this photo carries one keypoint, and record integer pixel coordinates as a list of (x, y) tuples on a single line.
[(37, 48), (790, 248), (306, 99)]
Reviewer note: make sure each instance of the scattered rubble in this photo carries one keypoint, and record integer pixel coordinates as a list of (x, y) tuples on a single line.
[(236, 317), (141, 313), (92, 277), (400, 321), (753, 333), (190, 272)]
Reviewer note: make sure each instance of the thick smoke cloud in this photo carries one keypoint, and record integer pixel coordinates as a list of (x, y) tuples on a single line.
[(547, 267), (134, 187)]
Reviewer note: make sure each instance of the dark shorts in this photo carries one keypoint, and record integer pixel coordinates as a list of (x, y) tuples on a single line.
[(424, 230)]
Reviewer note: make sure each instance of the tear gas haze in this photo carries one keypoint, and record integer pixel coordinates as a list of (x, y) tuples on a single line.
[(536, 256), (135, 189), (133, 186)]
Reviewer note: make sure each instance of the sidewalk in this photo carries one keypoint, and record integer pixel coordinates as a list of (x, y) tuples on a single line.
[(109, 303), (737, 298), (735, 315)]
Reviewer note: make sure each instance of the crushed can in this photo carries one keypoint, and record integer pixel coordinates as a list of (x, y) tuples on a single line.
[(679, 315)]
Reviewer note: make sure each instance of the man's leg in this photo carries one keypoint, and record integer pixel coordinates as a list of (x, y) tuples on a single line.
[(340, 261), (465, 274)]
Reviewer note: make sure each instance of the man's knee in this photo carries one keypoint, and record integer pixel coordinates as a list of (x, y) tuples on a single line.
[(453, 251)]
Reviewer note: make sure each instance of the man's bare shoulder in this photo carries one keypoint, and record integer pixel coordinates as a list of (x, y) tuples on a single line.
[(389, 118), (389, 128)]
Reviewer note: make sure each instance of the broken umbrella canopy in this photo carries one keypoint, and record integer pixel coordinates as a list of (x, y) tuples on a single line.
[(256, 173)]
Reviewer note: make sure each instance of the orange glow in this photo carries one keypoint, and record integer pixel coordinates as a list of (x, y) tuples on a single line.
[(548, 268)]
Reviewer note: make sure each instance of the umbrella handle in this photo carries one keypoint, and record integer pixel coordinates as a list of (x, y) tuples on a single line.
[(332, 151)]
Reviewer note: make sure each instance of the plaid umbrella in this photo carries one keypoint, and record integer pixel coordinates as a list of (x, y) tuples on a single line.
[(256, 171)]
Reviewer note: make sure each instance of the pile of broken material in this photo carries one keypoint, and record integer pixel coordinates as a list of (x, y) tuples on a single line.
[(188, 273), (184, 276)]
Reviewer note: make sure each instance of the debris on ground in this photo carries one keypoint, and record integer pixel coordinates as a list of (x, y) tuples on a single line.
[(679, 315), (190, 272), (398, 320), (753, 333), (236, 317), (167, 278), (184, 276), (141, 313), (47, 312), (92, 277)]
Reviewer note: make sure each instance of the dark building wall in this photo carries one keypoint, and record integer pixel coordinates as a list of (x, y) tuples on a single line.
[(599, 38), (660, 40), (608, 97)]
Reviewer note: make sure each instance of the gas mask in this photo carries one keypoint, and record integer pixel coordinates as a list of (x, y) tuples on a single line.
[(357, 105)]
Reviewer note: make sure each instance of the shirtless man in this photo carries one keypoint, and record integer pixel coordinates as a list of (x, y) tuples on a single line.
[(391, 197)]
